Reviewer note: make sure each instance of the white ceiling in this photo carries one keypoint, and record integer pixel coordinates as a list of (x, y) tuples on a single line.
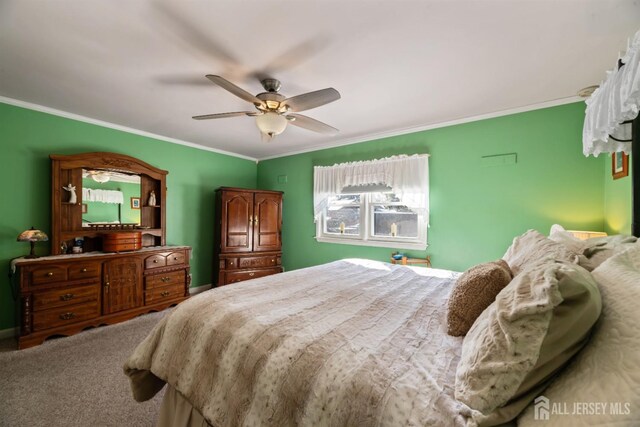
[(398, 64)]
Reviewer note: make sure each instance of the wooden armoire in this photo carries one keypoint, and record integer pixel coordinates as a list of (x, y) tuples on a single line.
[(248, 240)]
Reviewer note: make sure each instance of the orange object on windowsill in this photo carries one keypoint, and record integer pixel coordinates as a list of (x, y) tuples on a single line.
[(426, 261)]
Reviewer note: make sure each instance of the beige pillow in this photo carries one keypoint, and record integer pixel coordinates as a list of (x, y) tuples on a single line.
[(608, 369), (512, 351), (474, 291), (533, 248)]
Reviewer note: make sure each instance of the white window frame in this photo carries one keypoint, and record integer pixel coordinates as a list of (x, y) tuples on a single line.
[(366, 236)]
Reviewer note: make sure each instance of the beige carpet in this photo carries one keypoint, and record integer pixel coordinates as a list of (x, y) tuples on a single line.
[(75, 381)]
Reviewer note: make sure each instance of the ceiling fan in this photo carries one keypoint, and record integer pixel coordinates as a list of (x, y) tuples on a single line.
[(273, 110)]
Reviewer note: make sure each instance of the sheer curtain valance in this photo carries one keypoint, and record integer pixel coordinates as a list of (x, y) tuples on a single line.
[(406, 176), (615, 101), (104, 196)]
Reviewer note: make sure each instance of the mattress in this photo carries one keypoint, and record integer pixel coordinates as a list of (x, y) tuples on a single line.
[(352, 342)]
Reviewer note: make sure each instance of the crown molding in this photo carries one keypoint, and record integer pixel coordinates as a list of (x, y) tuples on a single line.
[(339, 143), (414, 129), (73, 116)]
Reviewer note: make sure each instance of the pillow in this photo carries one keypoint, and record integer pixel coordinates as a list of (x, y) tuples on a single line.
[(536, 324), (608, 370), (533, 248), (591, 252), (473, 292), (599, 249), (571, 242)]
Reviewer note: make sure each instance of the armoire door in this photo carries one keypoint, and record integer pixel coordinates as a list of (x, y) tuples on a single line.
[(236, 222), (122, 286), (267, 222)]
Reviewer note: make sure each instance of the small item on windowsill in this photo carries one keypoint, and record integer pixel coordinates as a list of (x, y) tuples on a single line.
[(342, 227), (398, 256), (394, 229)]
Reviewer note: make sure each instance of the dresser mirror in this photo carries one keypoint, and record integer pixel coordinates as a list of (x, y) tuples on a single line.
[(110, 197), (93, 194)]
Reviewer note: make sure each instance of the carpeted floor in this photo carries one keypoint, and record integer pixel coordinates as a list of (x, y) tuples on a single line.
[(75, 381)]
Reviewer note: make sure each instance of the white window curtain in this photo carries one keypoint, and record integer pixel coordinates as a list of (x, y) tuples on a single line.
[(615, 101), (104, 196), (406, 176)]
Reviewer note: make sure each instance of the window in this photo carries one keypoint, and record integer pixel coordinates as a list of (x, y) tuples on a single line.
[(375, 211)]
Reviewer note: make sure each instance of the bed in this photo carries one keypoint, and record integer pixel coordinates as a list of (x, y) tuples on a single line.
[(352, 342)]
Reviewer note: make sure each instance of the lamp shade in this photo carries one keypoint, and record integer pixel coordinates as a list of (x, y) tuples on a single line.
[(271, 123), (33, 235)]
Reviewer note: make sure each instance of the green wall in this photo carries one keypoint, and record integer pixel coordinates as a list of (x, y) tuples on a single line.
[(476, 210), (108, 212), (617, 200), (28, 137)]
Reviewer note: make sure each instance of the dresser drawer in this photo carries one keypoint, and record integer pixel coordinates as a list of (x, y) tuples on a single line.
[(257, 261), (175, 258), (163, 293), (89, 270), (65, 315), (239, 276), (231, 263), (177, 278), (65, 297), (155, 261), (48, 275)]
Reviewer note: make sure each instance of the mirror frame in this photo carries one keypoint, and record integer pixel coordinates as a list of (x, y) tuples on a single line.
[(66, 218)]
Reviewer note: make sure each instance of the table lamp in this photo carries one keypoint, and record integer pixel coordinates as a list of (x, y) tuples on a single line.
[(32, 235)]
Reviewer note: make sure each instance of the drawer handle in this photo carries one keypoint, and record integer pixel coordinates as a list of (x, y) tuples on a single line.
[(155, 261), (231, 263), (165, 293), (175, 258), (273, 260), (67, 316), (84, 270), (252, 274), (66, 297), (49, 274)]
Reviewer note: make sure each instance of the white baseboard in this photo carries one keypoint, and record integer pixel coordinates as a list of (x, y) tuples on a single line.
[(8, 333), (198, 289)]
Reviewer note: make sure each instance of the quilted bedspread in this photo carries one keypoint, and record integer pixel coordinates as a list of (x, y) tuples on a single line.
[(349, 343)]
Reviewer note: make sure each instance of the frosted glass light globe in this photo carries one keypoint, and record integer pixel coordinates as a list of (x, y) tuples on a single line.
[(271, 123)]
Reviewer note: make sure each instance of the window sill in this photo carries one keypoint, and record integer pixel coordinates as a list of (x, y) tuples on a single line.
[(374, 243)]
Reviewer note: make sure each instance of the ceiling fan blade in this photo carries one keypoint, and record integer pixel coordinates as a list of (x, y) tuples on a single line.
[(311, 124), (237, 91), (310, 100), (224, 115)]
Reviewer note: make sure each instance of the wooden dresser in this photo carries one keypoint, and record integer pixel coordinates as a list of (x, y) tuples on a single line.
[(62, 295), (248, 240)]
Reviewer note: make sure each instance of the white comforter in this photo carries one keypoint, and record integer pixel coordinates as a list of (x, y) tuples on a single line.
[(349, 343)]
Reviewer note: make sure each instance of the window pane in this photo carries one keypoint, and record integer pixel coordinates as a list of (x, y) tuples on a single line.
[(348, 216), (385, 216), (336, 202), (384, 198)]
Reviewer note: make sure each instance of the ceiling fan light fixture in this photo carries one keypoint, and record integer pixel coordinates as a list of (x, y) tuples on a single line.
[(101, 177), (271, 123)]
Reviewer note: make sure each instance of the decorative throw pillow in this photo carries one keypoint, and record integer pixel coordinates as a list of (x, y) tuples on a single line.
[(474, 291), (533, 248), (536, 324), (607, 371)]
